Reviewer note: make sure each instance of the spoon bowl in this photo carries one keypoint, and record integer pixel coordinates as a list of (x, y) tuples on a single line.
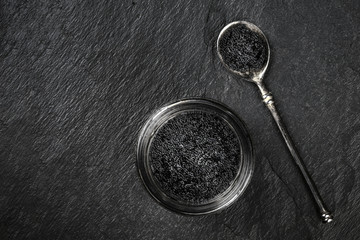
[(244, 50)]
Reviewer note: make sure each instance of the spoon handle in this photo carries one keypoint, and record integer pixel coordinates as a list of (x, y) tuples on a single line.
[(326, 216)]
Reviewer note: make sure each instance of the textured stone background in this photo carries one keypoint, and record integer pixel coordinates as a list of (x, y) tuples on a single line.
[(78, 79)]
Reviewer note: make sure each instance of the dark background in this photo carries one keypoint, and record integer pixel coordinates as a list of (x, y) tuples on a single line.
[(78, 80)]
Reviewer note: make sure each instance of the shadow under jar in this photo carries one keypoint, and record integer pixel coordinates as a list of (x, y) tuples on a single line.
[(195, 156)]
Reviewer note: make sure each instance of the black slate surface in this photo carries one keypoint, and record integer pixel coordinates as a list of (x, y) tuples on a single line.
[(78, 79)]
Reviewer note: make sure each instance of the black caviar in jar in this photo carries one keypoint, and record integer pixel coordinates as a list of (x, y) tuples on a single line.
[(195, 156)]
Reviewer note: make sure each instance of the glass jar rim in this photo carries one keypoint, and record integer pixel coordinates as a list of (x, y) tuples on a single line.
[(162, 115)]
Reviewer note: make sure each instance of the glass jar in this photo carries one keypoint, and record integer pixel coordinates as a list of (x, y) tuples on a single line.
[(245, 158)]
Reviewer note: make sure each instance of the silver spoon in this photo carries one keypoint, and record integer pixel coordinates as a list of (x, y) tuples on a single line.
[(245, 51)]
